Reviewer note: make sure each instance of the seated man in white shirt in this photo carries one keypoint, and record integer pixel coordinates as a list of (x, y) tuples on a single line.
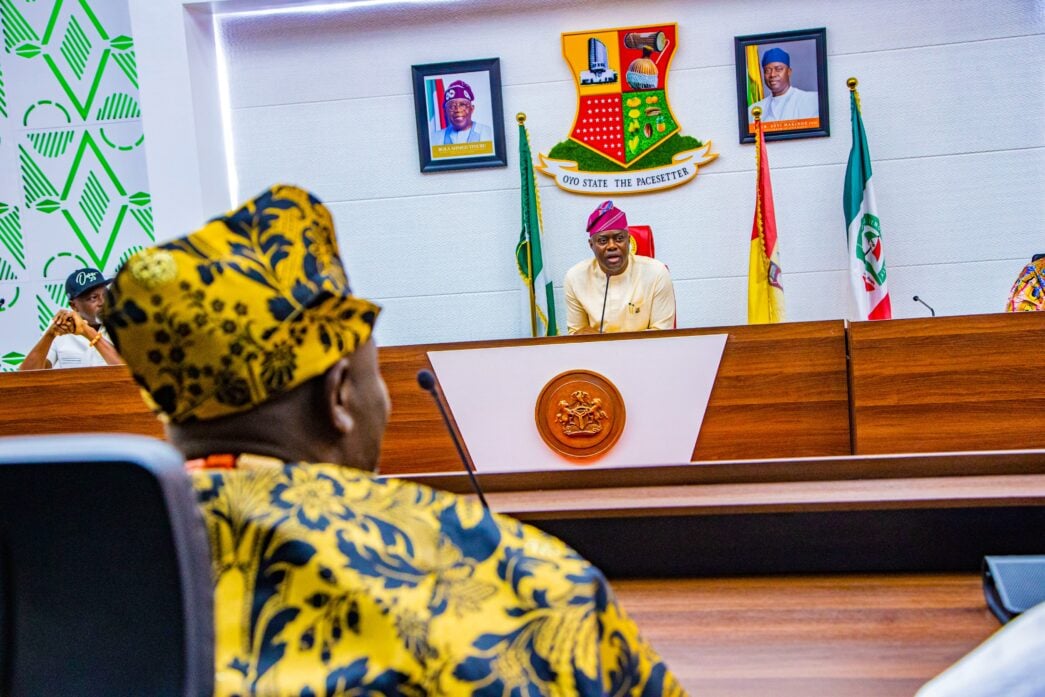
[(784, 102), (617, 291), (75, 338)]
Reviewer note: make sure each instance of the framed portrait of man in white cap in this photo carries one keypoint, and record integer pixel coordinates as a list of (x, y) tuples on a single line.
[(783, 78), (460, 119)]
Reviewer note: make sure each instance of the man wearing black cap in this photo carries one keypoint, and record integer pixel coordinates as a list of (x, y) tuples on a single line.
[(75, 338)]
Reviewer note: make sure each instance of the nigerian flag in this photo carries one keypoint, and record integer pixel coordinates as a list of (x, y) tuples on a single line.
[(528, 252), (867, 277)]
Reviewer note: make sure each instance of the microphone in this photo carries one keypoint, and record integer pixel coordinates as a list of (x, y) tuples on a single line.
[(919, 300), (426, 381), (605, 294)]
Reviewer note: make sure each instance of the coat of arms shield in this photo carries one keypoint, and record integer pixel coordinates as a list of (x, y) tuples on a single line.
[(625, 138)]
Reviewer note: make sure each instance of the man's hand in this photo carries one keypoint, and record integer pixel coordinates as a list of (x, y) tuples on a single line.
[(64, 322), (81, 327)]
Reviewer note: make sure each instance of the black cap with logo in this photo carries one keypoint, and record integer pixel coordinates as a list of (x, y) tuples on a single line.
[(83, 280)]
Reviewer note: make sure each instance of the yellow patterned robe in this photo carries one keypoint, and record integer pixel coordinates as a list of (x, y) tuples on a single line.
[(331, 582), (1028, 292)]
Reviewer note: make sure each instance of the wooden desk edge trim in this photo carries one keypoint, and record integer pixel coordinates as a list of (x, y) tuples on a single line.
[(1006, 491), (834, 468)]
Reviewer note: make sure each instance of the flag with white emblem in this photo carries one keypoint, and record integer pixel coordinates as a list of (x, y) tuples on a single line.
[(867, 276)]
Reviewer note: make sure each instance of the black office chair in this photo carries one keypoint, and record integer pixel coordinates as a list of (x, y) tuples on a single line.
[(105, 582)]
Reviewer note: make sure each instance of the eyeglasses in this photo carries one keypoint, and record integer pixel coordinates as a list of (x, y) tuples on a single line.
[(459, 105), (619, 238)]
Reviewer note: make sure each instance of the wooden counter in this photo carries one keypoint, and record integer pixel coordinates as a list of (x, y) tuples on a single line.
[(74, 400), (880, 514), (782, 391), (859, 635), (948, 383)]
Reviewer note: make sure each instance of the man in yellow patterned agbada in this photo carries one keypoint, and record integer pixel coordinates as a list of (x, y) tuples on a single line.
[(247, 341)]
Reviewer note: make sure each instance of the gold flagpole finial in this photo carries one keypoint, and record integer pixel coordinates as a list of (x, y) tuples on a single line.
[(757, 113), (520, 118), (851, 84)]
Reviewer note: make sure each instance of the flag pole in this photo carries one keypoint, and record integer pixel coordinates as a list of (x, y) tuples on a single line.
[(521, 119), (851, 83)]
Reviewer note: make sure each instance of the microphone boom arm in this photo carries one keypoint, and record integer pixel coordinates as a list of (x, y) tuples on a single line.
[(427, 382)]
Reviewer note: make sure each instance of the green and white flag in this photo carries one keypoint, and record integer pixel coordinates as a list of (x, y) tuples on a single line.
[(528, 253), (867, 277)]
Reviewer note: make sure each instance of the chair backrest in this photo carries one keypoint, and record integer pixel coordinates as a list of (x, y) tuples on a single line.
[(105, 580), (642, 235), (642, 244)]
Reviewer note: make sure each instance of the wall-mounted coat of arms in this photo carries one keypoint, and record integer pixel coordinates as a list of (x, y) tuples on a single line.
[(625, 138)]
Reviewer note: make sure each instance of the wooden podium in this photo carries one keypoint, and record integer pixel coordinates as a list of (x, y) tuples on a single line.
[(801, 389), (781, 391)]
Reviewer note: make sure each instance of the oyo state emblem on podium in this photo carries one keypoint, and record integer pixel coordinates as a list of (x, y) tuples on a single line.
[(580, 414), (625, 138)]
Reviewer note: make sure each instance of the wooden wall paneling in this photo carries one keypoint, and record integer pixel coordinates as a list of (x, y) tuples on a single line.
[(780, 392), (416, 439), (948, 383)]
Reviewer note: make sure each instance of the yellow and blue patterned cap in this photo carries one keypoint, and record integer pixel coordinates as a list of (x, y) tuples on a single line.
[(251, 305)]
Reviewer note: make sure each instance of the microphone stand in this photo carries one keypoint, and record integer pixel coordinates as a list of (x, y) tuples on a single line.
[(605, 294), (427, 383), (919, 300)]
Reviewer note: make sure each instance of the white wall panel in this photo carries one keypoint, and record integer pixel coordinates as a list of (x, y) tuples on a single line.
[(525, 35), (443, 318), (447, 253), (953, 289), (955, 123), (963, 208)]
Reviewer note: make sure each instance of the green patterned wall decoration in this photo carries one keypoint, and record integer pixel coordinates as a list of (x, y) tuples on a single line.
[(54, 299), (71, 157), (45, 311), (3, 96), (17, 31), (119, 106), (128, 254), (76, 48), (11, 234), (124, 57), (10, 361), (46, 103), (51, 143), (142, 212), (38, 189)]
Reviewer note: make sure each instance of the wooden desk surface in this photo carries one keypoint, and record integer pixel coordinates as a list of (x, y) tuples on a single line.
[(867, 635)]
